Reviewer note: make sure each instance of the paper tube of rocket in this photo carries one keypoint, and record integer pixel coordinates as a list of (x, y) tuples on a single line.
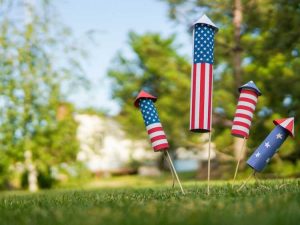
[(245, 108), (202, 75), (262, 155), (145, 102)]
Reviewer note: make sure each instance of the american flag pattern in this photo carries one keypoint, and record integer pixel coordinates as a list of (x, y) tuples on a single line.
[(154, 128), (245, 109), (263, 154), (202, 78)]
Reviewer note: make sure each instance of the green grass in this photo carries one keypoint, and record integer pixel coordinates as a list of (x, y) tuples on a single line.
[(266, 202)]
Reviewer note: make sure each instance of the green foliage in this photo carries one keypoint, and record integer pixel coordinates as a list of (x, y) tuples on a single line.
[(157, 68), (37, 60), (271, 202), (269, 49)]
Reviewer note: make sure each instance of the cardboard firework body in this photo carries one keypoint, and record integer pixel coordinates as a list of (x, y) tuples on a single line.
[(144, 102), (263, 154), (202, 75), (245, 108)]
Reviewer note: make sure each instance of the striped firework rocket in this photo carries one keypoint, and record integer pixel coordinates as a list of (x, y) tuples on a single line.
[(157, 136), (202, 75), (245, 108)]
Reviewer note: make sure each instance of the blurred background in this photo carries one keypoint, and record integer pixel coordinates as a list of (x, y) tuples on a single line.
[(70, 71)]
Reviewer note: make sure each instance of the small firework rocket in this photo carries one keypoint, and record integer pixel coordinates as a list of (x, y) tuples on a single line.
[(263, 154), (154, 128), (245, 108), (157, 136)]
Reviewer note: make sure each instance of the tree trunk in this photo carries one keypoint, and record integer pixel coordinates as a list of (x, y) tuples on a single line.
[(32, 172), (237, 50), (237, 62)]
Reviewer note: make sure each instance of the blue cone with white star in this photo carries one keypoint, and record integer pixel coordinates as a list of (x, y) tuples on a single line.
[(263, 154)]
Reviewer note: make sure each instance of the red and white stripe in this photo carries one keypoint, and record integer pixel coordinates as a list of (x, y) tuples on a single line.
[(286, 123), (157, 136), (201, 97), (244, 113)]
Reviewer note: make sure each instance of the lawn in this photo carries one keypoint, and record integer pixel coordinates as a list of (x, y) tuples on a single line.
[(265, 202)]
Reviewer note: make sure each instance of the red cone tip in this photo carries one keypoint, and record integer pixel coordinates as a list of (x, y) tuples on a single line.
[(286, 123), (143, 94)]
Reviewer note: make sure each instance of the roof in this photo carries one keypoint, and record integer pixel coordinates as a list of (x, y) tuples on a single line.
[(206, 20), (250, 85), (144, 94), (286, 123)]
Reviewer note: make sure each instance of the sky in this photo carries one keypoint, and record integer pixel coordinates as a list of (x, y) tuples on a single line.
[(112, 20)]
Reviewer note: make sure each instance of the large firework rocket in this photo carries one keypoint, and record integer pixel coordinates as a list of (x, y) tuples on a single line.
[(202, 79)]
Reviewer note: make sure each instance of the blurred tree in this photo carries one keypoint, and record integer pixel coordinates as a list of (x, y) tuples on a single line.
[(258, 40), (36, 127), (157, 68)]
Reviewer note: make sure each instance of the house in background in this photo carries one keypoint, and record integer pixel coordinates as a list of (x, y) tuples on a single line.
[(104, 147)]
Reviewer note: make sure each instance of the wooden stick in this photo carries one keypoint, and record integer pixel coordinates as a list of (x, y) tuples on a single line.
[(239, 160), (173, 176), (240, 188), (208, 164), (175, 172)]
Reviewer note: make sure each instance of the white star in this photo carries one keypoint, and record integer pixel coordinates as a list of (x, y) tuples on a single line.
[(268, 160), (279, 136), (257, 154), (267, 145)]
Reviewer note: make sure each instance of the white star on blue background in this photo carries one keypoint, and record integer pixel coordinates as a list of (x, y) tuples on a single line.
[(149, 112), (267, 145), (204, 44)]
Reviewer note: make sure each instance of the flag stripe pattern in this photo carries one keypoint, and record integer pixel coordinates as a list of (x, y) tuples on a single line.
[(244, 113), (154, 128), (202, 78)]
